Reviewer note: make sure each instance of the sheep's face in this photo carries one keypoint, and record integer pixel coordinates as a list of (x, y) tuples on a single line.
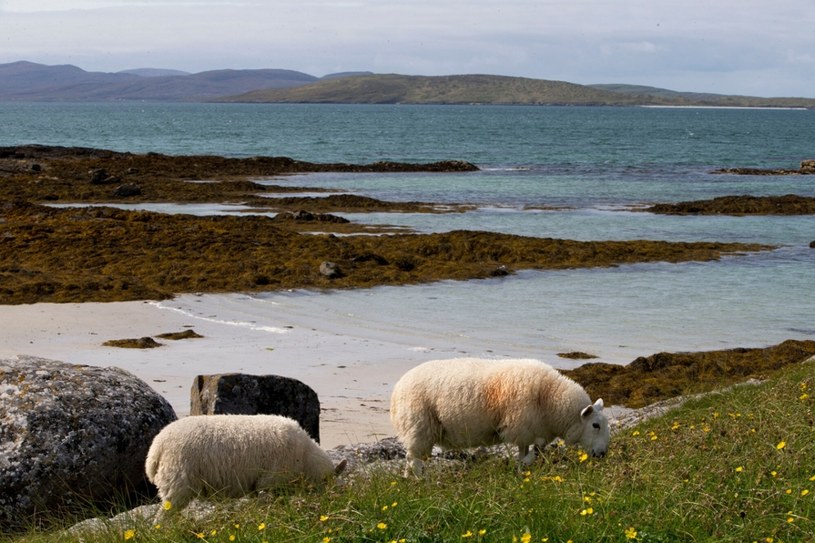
[(594, 438)]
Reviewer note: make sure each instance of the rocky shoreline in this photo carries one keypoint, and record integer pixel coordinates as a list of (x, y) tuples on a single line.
[(84, 254)]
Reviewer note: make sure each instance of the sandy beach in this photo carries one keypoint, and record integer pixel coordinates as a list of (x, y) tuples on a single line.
[(353, 376)]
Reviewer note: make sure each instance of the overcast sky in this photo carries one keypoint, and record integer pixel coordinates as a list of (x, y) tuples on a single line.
[(753, 47)]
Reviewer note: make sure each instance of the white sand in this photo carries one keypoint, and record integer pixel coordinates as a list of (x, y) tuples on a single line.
[(353, 376)]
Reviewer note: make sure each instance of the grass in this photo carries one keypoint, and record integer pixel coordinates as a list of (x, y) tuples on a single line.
[(732, 466)]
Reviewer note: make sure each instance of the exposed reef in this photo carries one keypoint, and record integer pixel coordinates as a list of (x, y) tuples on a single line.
[(807, 168), (78, 254), (667, 375), (789, 204)]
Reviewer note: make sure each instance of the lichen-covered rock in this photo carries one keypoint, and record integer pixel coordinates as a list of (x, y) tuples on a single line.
[(242, 394), (71, 436)]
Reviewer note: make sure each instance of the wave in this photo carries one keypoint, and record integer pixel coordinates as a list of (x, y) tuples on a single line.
[(241, 324)]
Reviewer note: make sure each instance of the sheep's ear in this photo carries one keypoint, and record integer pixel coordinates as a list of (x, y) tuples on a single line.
[(598, 405), (340, 467), (587, 411)]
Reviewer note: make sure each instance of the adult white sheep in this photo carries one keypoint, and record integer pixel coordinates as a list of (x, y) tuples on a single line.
[(467, 402), (232, 455)]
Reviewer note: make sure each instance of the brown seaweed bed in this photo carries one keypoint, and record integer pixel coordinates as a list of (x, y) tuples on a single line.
[(81, 254)]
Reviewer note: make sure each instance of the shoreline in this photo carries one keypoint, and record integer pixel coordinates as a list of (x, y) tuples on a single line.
[(354, 399), (351, 368)]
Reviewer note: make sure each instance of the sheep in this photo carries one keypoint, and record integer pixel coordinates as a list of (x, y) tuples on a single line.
[(468, 402), (232, 455)]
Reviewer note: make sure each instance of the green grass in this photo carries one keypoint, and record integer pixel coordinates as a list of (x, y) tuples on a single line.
[(732, 466)]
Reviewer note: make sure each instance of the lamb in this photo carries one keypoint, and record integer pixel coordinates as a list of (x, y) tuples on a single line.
[(468, 402), (232, 455)]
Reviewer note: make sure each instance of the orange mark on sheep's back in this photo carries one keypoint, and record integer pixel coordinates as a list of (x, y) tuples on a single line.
[(496, 395)]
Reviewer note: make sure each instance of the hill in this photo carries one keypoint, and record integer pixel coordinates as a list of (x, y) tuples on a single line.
[(27, 81), (491, 89), (705, 99), (454, 89)]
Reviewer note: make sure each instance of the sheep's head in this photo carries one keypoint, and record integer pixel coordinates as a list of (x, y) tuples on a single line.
[(595, 433)]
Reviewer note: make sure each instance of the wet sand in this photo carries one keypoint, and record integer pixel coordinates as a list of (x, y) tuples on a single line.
[(352, 376)]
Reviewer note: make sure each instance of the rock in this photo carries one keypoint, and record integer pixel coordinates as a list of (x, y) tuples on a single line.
[(500, 271), (72, 437), (307, 216), (807, 166), (241, 394), (127, 190), (812, 244), (330, 270), (101, 177), (133, 343)]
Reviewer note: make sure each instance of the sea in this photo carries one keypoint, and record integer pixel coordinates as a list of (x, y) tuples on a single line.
[(558, 172)]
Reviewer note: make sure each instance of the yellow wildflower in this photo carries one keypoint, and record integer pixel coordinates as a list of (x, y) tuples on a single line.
[(482, 532), (261, 526), (466, 534), (323, 518), (630, 533), (586, 512), (635, 433), (326, 539), (232, 537), (739, 469), (382, 526), (583, 456), (526, 538), (804, 492), (167, 505), (781, 445), (130, 534)]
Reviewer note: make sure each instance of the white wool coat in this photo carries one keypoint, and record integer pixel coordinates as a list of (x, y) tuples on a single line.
[(468, 402), (231, 455)]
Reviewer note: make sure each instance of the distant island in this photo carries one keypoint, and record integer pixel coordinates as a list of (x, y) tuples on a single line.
[(30, 82)]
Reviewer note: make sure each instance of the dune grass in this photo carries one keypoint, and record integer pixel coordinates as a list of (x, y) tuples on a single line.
[(732, 466)]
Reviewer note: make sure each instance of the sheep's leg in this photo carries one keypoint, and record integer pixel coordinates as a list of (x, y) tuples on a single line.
[(525, 456), (414, 465)]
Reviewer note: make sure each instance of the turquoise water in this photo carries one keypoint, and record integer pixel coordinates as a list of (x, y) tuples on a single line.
[(576, 173)]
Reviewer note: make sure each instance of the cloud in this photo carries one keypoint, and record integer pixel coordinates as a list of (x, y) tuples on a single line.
[(576, 40)]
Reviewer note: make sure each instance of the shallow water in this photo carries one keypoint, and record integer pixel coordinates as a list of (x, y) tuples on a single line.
[(572, 173)]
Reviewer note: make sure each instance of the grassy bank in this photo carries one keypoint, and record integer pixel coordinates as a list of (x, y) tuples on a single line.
[(732, 466)]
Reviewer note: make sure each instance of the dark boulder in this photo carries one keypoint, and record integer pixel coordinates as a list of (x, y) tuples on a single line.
[(72, 437), (100, 176), (241, 394), (127, 190)]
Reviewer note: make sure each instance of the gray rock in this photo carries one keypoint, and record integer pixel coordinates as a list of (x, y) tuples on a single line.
[(241, 394), (72, 437), (330, 270)]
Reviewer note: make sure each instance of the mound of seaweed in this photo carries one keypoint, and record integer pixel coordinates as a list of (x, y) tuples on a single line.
[(108, 254), (667, 375), (789, 204)]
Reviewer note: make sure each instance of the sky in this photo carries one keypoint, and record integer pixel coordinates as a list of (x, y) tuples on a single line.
[(750, 47)]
